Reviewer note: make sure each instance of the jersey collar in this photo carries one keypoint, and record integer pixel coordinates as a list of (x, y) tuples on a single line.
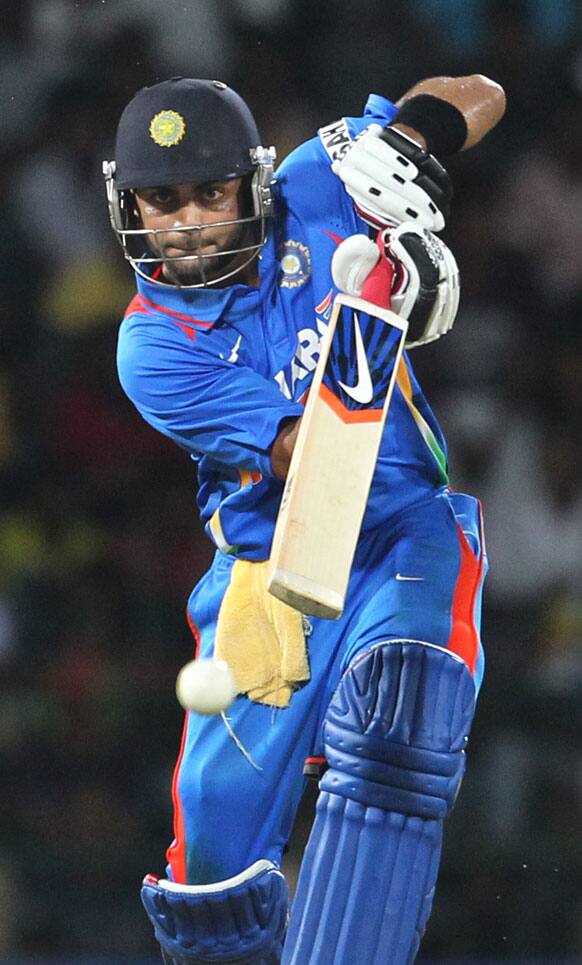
[(211, 304)]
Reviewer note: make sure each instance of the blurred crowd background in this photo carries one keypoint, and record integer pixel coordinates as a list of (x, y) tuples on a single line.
[(99, 537)]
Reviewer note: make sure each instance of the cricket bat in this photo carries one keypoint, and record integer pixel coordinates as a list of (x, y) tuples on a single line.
[(335, 454)]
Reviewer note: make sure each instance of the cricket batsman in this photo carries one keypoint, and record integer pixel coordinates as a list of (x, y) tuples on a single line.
[(217, 350)]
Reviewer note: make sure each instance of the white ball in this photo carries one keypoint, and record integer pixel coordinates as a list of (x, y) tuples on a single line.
[(206, 686)]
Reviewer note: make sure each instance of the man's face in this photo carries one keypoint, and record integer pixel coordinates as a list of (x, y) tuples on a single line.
[(177, 206)]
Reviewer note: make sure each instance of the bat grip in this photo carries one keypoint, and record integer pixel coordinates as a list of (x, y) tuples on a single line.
[(377, 287)]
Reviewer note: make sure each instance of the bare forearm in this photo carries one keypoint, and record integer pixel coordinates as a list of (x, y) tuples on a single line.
[(283, 446), (480, 100)]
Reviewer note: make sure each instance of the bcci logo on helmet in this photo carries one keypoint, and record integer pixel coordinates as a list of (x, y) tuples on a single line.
[(167, 128)]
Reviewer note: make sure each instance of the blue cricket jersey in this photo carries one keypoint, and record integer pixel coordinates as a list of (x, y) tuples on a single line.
[(220, 370)]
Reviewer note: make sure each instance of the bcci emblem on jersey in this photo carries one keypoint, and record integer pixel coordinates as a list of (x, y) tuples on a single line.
[(295, 261)]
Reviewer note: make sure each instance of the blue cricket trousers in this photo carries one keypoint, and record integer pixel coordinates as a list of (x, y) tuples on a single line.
[(419, 578)]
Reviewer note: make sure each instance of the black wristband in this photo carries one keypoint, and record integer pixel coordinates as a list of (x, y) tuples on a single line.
[(441, 124)]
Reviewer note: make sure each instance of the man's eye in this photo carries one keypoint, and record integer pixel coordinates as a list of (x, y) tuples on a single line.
[(213, 194), (158, 197)]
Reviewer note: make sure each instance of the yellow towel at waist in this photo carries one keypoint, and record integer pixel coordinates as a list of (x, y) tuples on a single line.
[(261, 638)]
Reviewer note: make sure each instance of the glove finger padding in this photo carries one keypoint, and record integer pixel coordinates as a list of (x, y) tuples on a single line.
[(429, 294), (392, 179)]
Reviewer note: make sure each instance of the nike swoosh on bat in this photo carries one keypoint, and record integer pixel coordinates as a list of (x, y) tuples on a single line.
[(409, 579), (363, 390)]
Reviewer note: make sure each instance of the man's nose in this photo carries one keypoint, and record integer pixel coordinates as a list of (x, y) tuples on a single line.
[(192, 213)]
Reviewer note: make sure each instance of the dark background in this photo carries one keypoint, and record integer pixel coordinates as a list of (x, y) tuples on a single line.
[(99, 538)]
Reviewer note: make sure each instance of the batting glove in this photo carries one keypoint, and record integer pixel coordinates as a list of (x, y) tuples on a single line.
[(392, 179), (425, 284)]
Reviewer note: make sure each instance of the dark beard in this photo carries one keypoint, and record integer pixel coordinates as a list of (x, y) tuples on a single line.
[(195, 271), (203, 270)]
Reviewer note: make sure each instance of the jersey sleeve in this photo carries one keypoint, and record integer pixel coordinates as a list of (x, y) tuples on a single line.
[(308, 185), (203, 402)]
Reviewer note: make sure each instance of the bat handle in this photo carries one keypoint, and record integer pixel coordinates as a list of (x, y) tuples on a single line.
[(377, 287)]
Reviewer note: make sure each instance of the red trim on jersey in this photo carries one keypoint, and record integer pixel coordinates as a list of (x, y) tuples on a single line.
[(333, 237), (186, 322), (136, 305), (169, 311), (187, 329), (176, 853), (464, 637)]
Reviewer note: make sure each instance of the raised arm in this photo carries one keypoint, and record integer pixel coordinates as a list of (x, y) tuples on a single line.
[(480, 100), (441, 114), (393, 173)]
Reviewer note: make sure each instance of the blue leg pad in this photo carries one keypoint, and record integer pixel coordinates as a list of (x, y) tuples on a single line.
[(241, 920), (395, 734)]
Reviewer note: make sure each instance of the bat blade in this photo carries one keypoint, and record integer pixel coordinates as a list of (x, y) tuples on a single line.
[(334, 458)]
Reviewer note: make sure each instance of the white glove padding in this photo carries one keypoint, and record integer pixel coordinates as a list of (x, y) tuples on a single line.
[(426, 280), (392, 179), (428, 295), (352, 262)]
